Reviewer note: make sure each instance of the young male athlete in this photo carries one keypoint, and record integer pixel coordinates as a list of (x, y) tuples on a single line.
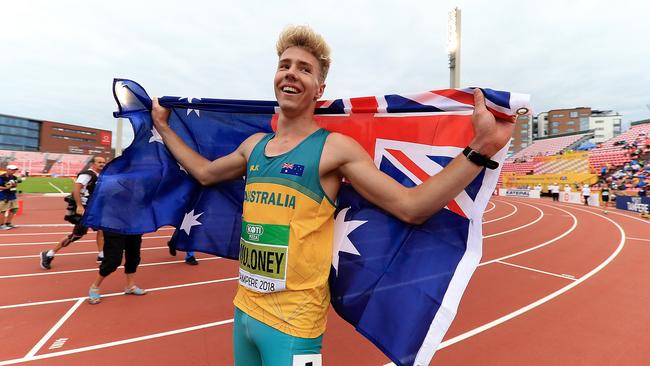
[(280, 313)]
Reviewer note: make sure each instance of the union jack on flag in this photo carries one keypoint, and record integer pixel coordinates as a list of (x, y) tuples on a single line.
[(398, 284)]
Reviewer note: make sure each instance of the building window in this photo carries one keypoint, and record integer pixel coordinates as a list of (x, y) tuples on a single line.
[(555, 131), (73, 131), (599, 121), (15, 122), (571, 130), (573, 114), (557, 115), (571, 123), (73, 138), (555, 124)]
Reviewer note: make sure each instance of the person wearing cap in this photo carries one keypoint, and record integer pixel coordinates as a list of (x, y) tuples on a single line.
[(8, 198)]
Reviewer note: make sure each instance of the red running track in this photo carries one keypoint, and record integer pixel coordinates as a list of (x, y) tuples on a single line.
[(558, 284)]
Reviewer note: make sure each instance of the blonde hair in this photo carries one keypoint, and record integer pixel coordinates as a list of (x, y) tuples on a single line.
[(304, 37)]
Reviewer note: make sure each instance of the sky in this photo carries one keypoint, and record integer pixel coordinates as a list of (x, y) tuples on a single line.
[(58, 58)]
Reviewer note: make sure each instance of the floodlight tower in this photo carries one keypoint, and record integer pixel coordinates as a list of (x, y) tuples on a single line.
[(118, 137), (453, 47)]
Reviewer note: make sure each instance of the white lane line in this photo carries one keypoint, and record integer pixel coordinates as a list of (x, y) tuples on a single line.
[(547, 298), (491, 208), (573, 227), (47, 273), (55, 187), (49, 302), (78, 241), (639, 239), (565, 276), (52, 330), (59, 232), (506, 216), (67, 254), (118, 343), (541, 215), (41, 225)]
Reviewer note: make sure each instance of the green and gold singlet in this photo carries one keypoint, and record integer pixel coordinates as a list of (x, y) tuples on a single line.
[(286, 242)]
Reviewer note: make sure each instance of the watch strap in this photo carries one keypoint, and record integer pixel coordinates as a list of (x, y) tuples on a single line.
[(479, 159)]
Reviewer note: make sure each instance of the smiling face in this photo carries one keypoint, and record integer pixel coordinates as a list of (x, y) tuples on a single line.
[(296, 83)]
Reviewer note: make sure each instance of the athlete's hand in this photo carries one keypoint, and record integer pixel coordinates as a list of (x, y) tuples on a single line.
[(80, 210), (159, 115), (490, 134)]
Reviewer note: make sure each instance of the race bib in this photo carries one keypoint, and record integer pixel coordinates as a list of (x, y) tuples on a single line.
[(263, 256), (307, 360)]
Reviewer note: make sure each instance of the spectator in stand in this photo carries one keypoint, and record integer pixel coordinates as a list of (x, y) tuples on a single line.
[(642, 192), (8, 198), (567, 188), (586, 193)]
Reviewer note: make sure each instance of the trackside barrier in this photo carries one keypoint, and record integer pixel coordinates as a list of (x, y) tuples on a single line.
[(512, 192), (634, 204), (576, 197)]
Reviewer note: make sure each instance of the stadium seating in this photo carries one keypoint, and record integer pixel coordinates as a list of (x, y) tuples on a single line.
[(37, 163), (613, 151), (551, 146)]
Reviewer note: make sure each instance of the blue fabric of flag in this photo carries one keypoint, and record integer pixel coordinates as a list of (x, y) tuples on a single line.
[(374, 292), (400, 291)]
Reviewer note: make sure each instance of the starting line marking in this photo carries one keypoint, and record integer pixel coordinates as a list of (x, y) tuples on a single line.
[(52, 330), (566, 276), (58, 343), (117, 343), (638, 239)]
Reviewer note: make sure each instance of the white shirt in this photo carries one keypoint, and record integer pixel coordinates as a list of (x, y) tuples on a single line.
[(84, 179), (586, 191)]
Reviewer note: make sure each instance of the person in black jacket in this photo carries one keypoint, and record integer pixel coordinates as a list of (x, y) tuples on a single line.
[(83, 188)]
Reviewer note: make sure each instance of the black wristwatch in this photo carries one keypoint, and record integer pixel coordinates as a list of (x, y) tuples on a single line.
[(478, 159)]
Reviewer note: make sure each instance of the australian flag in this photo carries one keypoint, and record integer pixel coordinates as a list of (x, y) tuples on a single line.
[(293, 169), (398, 284)]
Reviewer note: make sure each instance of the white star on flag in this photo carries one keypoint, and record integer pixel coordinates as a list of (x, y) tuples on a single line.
[(190, 110), (190, 220), (181, 167), (342, 243), (155, 136)]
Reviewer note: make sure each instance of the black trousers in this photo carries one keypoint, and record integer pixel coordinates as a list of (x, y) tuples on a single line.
[(116, 244)]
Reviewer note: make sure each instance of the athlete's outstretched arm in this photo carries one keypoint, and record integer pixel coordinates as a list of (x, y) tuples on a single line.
[(415, 205), (231, 166)]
